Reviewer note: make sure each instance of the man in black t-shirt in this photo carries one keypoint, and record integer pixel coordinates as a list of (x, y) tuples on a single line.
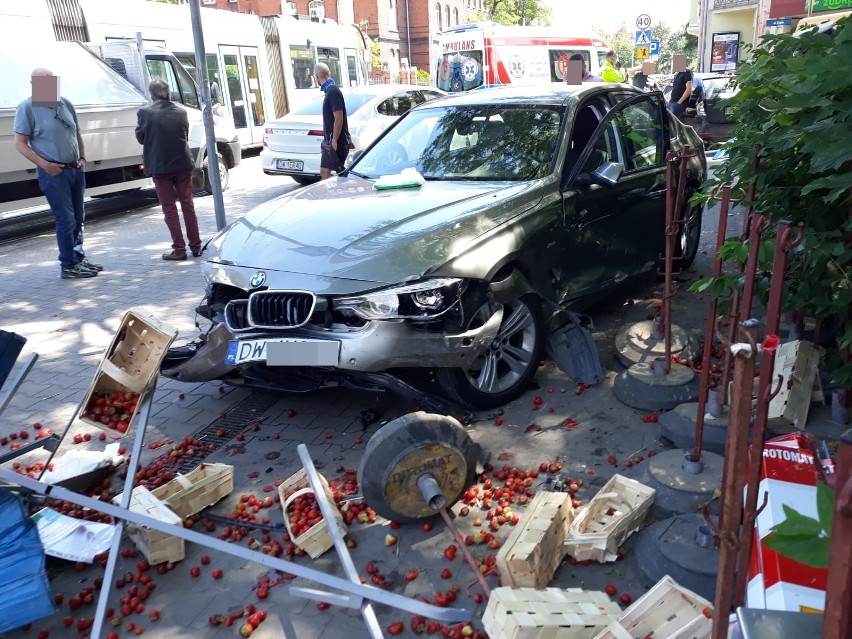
[(335, 128), (681, 91)]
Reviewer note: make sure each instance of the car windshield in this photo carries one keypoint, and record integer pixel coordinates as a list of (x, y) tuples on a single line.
[(718, 87), (471, 142), (354, 101)]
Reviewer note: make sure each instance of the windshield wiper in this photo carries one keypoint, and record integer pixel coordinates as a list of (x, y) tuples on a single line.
[(360, 175)]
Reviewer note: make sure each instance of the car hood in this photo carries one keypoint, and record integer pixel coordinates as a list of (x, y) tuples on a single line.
[(343, 229)]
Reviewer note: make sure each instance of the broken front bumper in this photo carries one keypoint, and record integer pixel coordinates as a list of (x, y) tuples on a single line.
[(379, 346)]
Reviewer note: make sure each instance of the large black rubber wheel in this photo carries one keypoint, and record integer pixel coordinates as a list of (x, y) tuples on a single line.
[(302, 179), (406, 448), (223, 174), (504, 371), (690, 231)]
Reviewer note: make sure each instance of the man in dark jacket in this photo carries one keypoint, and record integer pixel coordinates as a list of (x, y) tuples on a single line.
[(163, 132)]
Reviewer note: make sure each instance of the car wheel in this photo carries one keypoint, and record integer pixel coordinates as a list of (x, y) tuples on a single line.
[(394, 156), (504, 371), (301, 179), (223, 173), (690, 231)]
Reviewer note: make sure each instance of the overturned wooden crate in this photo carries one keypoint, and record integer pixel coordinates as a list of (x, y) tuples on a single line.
[(157, 547), (535, 548), (666, 611), (127, 372), (612, 515), (552, 613), (317, 539), (191, 493)]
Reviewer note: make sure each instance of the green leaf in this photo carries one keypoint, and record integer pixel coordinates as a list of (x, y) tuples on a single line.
[(805, 550), (825, 506), (797, 524)]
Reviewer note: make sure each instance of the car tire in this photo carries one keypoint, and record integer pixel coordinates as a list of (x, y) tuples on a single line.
[(520, 340), (689, 237), (223, 173), (303, 180)]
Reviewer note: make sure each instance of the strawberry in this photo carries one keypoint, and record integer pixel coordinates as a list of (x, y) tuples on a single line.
[(478, 598), (498, 421), (625, 599), (612, 459), (707, 612), (358, 440), (391, 539), (396, 628), (610, 590), (446, 573), (195, 571), (205, 560), (246, 629), (426, 526)]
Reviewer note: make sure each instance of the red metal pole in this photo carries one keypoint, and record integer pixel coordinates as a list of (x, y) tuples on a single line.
[(783, 245), (704, 380), (837, 619), (665, 311), (731, 501)]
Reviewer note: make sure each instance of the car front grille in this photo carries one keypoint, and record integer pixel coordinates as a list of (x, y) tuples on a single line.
[(236, 315), (280, 309)]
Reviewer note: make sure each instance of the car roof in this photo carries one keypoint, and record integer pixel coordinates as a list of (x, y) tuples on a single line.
[(384, 89), (545, 95)]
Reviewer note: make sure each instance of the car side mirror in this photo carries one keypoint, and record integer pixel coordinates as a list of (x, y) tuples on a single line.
[(608, 173)]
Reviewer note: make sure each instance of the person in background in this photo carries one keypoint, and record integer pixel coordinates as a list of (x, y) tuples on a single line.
[(47, 133), (587, 77), (163, 131), (637, 78), (612, 73), (335, 129), (681, 91)]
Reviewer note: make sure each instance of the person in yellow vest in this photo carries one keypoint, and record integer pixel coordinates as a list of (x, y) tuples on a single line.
[(612, 71)]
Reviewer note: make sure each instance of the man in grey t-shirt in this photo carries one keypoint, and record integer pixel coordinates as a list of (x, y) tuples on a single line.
[(48, 135)]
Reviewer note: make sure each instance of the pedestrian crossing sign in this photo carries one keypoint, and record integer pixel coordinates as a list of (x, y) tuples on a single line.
[(643, 53), (643, 38)]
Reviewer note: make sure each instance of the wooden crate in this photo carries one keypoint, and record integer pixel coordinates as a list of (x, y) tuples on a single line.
[(535, 547), (612, 515), (188, 494), (317, 539), (527, 613), (130, 364), (157, 547), (798, 363), (666, 611)]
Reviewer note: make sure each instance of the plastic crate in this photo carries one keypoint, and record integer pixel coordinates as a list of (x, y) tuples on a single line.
[(612, 515), (666, 611), (317, 539), (535, 547), (527, 613), (188, 494)]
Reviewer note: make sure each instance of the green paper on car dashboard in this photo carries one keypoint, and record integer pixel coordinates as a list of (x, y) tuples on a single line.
[(405, 179)]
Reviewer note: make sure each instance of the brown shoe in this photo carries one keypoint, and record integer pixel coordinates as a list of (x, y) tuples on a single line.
[(174, 256)]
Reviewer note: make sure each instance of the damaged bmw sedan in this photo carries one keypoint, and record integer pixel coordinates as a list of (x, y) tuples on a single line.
[(451, 249)]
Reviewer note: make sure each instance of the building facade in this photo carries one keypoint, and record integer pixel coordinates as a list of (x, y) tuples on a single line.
[(407, 30), (723, 26)]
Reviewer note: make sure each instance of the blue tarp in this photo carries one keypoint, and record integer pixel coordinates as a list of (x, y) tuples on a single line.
[(24, 589)]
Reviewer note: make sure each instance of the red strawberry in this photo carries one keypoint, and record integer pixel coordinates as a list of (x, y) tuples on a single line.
[(707, 612), (323, 605), (446, 573), (426, 526), (195, 571), (217, 574), (396, 628), (625, 599), (411, 575), (612, 459), (205, 560), (610, 590)]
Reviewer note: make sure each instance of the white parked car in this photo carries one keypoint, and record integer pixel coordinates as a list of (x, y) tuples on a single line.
[(291, 144)]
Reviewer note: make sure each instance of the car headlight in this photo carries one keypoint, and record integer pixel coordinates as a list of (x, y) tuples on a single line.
[(421, 300)]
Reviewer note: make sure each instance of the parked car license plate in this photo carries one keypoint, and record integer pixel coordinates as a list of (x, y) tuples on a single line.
[(289, 165), (284, 352)]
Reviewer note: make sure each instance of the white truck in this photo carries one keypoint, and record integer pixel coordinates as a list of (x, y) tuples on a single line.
[(107, 85)]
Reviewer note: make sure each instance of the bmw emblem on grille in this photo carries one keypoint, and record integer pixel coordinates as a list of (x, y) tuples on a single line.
[(258, 279)]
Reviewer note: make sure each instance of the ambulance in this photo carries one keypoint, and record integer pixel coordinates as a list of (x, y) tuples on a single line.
[(485, 54)]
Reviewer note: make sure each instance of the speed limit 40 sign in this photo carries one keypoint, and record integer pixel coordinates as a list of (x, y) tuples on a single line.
[(643, 21)]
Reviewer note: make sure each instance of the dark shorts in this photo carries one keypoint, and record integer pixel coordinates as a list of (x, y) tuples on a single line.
[(331, 159)]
